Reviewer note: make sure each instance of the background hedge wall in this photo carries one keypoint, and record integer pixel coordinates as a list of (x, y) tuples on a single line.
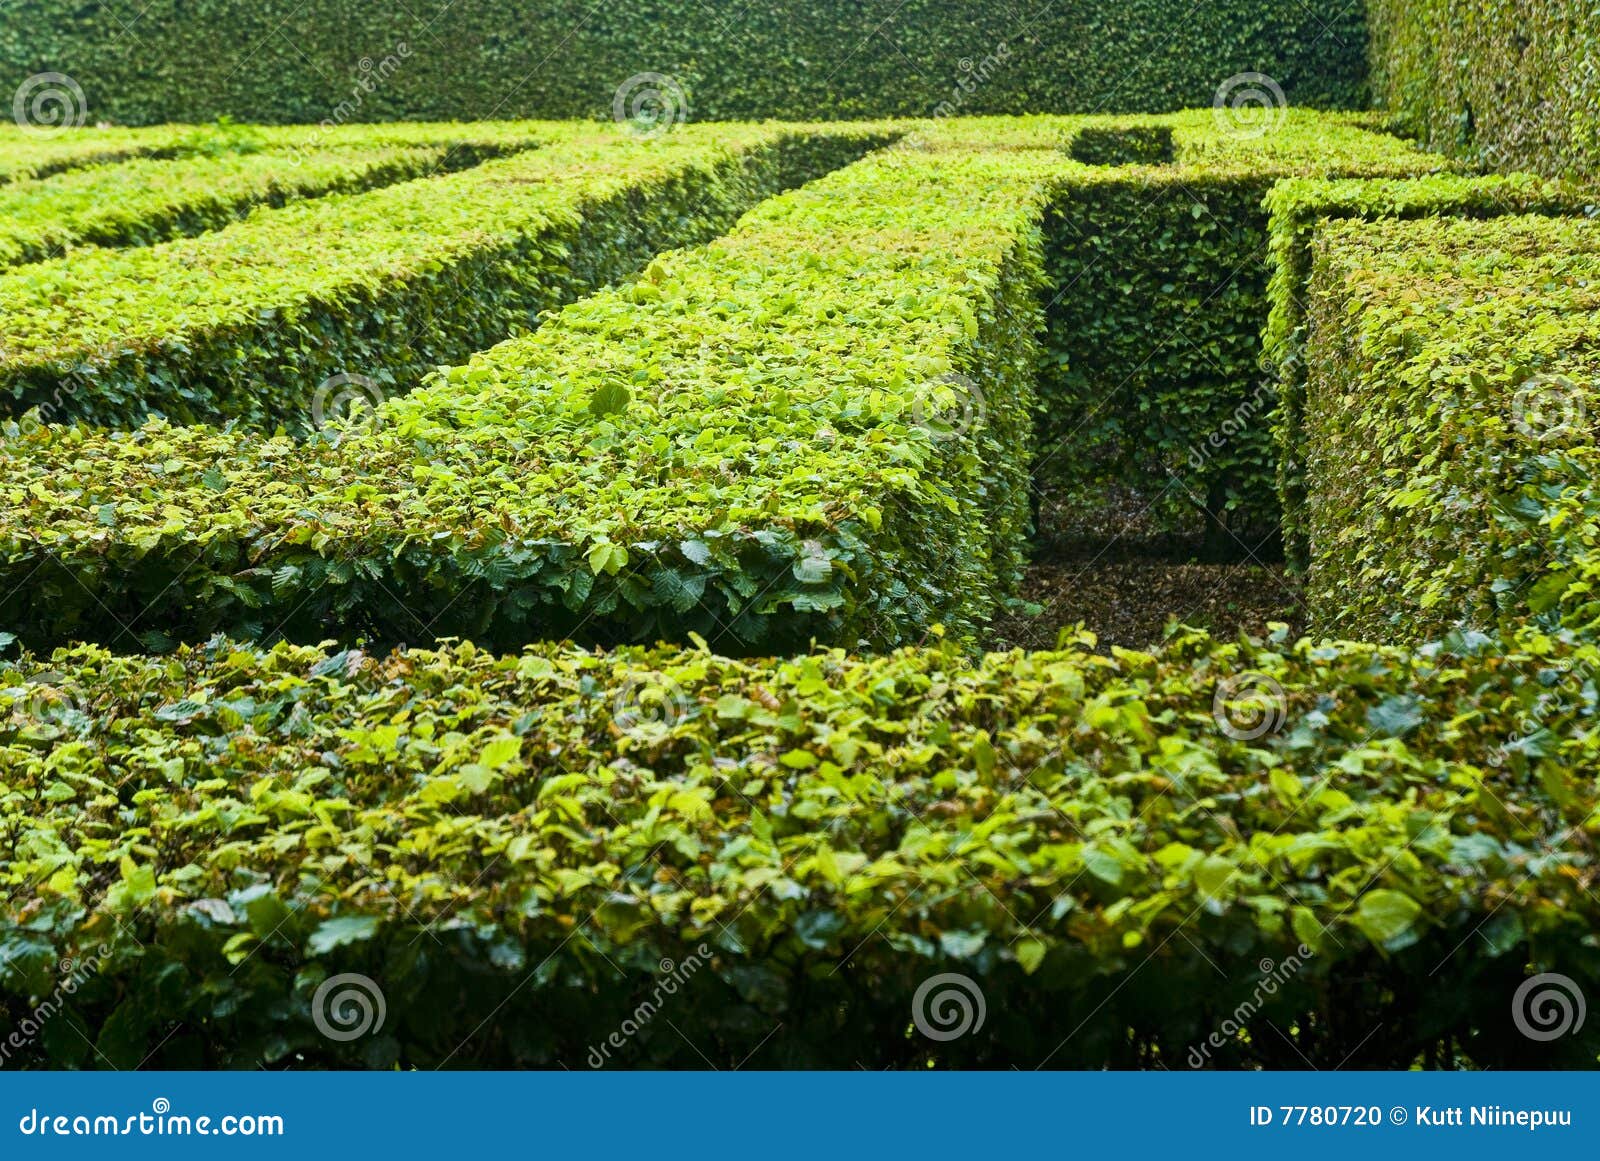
[(280, 60), (1507, 81)]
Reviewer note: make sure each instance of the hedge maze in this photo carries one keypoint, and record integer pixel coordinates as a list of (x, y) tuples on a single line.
[(495, 559)]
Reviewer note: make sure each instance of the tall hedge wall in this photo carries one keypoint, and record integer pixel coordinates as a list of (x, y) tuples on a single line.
[(281, 60), (1510, 82)]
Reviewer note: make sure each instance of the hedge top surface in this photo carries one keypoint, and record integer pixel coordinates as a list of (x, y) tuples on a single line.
[(31, 154), (1466, 414), (1023, 810), (24, 155), (140, 200), (89, 305), (718, 397)]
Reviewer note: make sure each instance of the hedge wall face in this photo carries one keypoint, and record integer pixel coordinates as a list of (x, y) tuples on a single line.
[(1154, 377), (1509, 82), (1450, 421), (790, 59), (1088, 837)]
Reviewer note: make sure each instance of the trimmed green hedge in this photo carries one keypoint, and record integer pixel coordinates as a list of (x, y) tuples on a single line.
[(26, 155), (142, 201), (246, 322), (816, 427), (1507, 82), (785, 59), (1449, 425), (1297, 209), (1154, 378), (208, 838)]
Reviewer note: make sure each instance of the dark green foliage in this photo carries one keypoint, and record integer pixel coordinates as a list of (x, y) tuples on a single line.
[(1508, 83), (807, 841), (787, 59), (1129, 145), (1155, 379)]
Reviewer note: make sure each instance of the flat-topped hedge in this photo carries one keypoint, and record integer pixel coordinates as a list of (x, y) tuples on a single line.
[(1114, 850), (1449, 425), (817, 426), (26, 155), (1297, 208), (245, 323), (785, 59), (143, 201), (33, 153)]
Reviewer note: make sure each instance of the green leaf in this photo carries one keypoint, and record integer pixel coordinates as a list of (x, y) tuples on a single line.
[(609, 399), (1396, 716), (1215, 877), (335, 933), (501, 752), (1385, 915)]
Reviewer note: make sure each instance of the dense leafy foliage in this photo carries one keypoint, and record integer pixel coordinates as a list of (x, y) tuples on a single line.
[(815, 427), (1507, 82), (24, 155), (530, 835), (1449, 424), (788, 59), (246, 322), (142, 201), (1296, 209), (1154, 377)]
